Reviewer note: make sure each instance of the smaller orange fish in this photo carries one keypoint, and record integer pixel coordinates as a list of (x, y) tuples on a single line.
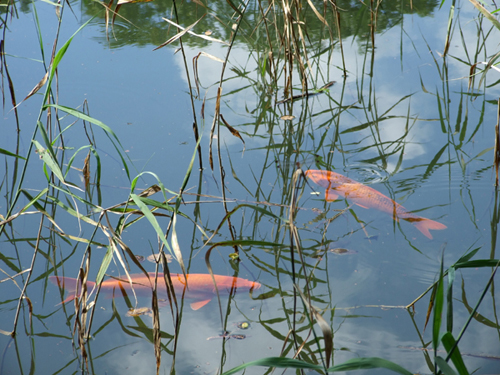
[(200, 286), (364, 196)]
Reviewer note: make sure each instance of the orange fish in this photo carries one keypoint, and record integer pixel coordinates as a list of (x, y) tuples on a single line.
[(337, 185), (200, 287)]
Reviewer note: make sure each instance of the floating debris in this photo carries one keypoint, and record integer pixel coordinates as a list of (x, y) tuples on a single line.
[(243, 325), (318, 254), (342, 251), (227, 335), (237, 336), (234, 256), (155, 258), (140, 311), (140, 258)]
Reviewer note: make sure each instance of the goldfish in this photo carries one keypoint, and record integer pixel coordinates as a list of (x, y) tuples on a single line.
[(200, 287), (364, 196)]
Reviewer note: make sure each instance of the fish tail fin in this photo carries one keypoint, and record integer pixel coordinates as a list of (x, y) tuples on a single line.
[(70, 285), (425, 225)]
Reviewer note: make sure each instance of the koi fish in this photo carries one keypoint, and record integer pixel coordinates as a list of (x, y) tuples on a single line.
[(200, 287), (364, 196)]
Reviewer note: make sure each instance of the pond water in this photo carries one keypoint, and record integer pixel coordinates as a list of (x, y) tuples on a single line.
[(400, 119)]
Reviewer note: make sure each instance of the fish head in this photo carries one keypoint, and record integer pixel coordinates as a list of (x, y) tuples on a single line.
[(318, 177), (326, 179)]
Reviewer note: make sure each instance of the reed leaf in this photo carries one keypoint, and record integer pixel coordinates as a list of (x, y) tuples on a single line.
[(58, 57), (8, 153), (49, 160), (486, 13), (445, 368), (449, 300), (449, 344), (477, 263), (438, 309), (107, 130), (104, 265), (350, 365), (176, 247), (151, 218)]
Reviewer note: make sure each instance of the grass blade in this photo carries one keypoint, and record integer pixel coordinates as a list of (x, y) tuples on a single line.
[(369, 363), (449, 300), (450, 344), (8, 153), (104, 265), (48, 159), (487, 14), (275, 362), (151, 218), (108, 131), (438, 309), (176, 247), (352, 364), (58, 57), (444, 366)]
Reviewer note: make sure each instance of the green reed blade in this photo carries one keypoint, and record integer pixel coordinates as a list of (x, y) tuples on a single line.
[(104, 265), (450, 344), (438, 309), (107, 130), (444, 367), (8, 153), (350, 365), (449, 300), (49, 160)]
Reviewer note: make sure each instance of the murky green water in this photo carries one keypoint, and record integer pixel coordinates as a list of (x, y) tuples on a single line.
[(402, 121)]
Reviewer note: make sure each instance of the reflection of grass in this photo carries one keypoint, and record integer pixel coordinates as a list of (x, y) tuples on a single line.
[(287, 60)]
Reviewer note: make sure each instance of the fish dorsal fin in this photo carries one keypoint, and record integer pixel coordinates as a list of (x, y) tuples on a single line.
[(199, 304), (330, 195)]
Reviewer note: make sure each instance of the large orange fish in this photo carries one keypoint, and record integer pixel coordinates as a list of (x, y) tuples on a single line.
[(364, 196), (200, 287)]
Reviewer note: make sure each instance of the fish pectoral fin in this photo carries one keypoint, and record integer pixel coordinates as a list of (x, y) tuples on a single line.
[(330, 195), (162, 302), (360, 205), (199, 304), (71, 297)]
